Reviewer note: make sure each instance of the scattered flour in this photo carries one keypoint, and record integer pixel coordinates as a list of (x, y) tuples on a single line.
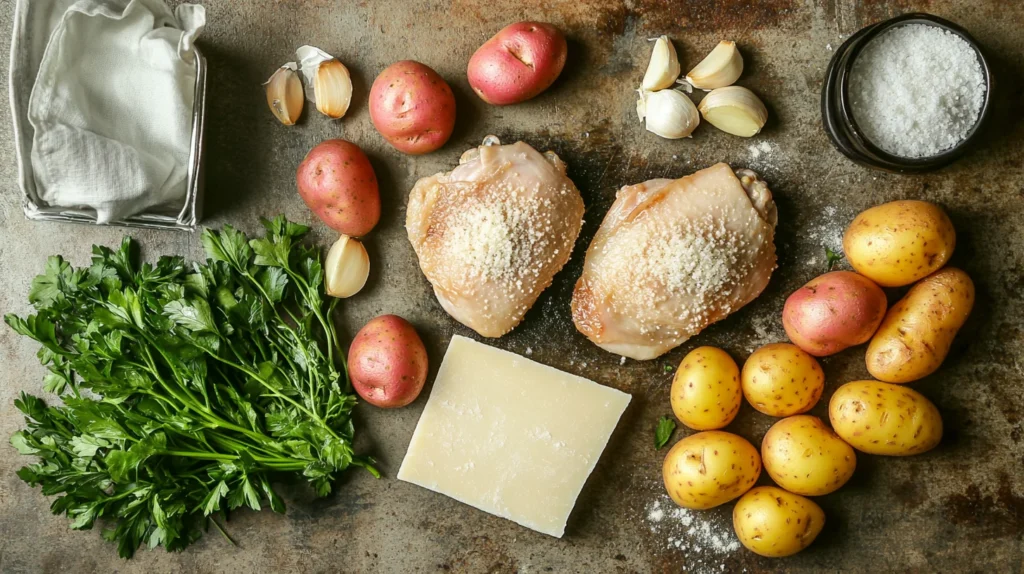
[(827, 230), (767, 329), (763, 150), (702, 535), (765, 157)]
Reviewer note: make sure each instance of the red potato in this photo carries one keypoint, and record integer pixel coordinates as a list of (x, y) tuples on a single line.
[(517, 63), (412, 107), (833, 311), (387, 362), (338, 184)]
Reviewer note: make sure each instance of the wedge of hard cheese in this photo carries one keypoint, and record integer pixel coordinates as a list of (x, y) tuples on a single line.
[(510, 436)]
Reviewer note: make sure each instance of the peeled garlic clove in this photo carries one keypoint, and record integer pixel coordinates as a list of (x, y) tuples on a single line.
[(284, 94), (332, 89), (734, 110), (668, 113), (721, 68), (346, 268), (663, 69)]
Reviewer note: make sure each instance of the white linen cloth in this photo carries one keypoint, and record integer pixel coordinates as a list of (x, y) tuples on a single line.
[(111, 107)]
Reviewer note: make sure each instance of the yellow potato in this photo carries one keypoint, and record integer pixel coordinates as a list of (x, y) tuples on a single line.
[(781, 379), (710, 468), (897, 243), (915, 335), (886, 419), (772, 522), (804, 456), (706, 391)]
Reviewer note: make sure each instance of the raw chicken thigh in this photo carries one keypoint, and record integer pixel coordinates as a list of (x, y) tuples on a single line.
[(674, 256), (491, 234)]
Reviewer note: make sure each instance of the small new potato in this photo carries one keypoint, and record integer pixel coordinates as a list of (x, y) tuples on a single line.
[(833, 311), (897, 243), (886, 419), (916, 334), (387, 362), (774, 523), (781, 379), (805, 457), (706, 392), (412, 107), (516, 64), (710, 468), (339, 185)]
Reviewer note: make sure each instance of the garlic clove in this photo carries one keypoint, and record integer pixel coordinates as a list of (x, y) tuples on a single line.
[(310, 58), (332, 89), (346, 268), (734, 110), (284, 94), (668, 113), (664, 68), (721, 68)]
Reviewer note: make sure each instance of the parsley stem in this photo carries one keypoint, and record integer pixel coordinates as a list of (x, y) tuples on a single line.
[(202, 455)]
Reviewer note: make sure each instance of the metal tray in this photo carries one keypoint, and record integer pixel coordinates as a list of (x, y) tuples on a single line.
[(28, 18)]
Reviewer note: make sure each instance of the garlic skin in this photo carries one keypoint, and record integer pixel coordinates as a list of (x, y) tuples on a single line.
[(346, 268), (663, 68), (284, 94), (667, 113), (734, 110), (721, 68)]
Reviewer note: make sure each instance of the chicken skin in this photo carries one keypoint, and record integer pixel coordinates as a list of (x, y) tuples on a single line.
[(491, 234), (674, 256)]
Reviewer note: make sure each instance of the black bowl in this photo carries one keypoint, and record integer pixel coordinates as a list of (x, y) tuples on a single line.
[(841, 127)]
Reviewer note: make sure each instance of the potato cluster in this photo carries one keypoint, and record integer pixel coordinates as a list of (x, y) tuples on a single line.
[(892, 245)]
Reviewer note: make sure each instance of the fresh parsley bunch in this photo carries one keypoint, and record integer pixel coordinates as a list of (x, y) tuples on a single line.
[(186, 388)]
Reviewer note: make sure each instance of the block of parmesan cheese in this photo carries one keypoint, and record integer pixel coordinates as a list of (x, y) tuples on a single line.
[(510, 436)]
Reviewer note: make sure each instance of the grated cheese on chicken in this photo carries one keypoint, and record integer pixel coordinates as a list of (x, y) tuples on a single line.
[(674, 256), (491, 234), (668, 259)]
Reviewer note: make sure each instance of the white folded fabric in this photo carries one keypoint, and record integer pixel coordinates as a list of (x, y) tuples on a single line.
[(111, 107)]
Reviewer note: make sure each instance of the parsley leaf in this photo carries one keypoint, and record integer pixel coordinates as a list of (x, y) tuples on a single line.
[(194, 316), (831, 258), (662, 434), (48, 287)]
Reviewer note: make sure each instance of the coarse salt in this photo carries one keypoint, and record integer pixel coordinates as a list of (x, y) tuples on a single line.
[(702, 535), (916, 90)]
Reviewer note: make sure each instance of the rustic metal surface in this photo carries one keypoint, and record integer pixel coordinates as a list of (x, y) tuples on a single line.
[(957, 508)]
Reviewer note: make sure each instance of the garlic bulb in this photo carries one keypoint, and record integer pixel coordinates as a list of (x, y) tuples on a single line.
[(721, 68), (735, 110), (346, 268), (284, 94), (664, 68), (667, 113)]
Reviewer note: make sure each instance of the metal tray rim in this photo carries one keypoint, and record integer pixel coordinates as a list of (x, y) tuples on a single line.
[(191, 212)]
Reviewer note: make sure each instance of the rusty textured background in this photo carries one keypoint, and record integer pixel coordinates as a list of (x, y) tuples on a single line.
[(959, 508)]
